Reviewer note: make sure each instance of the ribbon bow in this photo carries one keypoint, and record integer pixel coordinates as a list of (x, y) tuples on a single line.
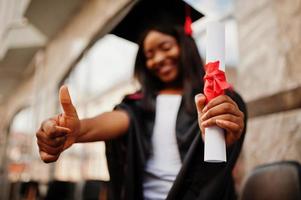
[(215, 81)]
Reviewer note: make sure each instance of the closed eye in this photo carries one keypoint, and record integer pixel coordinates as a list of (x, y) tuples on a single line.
[(165, 46)]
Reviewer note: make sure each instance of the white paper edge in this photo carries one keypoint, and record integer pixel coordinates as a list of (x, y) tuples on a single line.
[(215, 146)]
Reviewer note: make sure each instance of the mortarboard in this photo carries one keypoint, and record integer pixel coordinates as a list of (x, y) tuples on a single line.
[(148, 13)]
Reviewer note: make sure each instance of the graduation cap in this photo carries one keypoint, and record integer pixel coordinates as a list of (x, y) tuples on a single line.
[(150, 13)]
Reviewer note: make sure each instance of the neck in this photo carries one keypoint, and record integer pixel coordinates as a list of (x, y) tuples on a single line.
[(174, 87), (171, 91)]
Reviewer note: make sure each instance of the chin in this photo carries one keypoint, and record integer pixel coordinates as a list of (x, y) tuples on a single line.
[(169, 79)]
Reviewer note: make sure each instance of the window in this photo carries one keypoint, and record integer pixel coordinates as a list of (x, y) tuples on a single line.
[(96, 84)]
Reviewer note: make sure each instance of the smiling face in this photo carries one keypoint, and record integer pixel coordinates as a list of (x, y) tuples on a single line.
[(162, 54)]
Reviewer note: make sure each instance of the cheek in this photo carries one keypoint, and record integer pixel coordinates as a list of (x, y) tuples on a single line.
[(176, 72), (149, 65), (177, 53)]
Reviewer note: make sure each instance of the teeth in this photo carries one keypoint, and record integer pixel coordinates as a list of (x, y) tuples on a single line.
[(164, 69)]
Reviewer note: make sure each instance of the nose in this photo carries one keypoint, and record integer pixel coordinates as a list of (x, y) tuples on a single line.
[(159, 58)]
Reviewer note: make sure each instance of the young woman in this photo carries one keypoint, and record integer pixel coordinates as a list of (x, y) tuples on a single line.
[(154, 137)]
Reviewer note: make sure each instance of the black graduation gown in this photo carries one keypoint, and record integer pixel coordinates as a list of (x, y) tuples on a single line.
[(197, 179)]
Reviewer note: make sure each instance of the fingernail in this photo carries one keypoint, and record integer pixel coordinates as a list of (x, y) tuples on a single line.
[(196, 97), (200, 95)]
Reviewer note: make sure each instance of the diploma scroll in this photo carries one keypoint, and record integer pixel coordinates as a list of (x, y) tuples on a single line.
[(215, 147)]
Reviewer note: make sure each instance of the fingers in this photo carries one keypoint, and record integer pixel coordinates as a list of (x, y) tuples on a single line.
[(223, 108), (228, 126), (49, 149), (222, 111), (51, 139), (219, 100), (233, 131), (53, 142), (47, 158), (200, 100), (66, 102), (61, 131), (51, 129), (225, 117), (48, 126)]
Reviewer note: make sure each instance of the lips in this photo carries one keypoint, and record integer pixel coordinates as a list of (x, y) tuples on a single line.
[(165, 69)]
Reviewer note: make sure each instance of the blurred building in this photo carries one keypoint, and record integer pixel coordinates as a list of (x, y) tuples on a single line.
[(268, 77), (45, 44), (42, 42)]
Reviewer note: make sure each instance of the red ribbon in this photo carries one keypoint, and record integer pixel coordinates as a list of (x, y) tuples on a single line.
[(215, 81)]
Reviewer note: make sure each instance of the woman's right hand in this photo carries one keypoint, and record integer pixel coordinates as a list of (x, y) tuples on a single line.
[(60, 132)]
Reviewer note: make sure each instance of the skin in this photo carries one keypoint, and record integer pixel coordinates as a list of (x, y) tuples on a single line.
[(162, 52), (162, 57)]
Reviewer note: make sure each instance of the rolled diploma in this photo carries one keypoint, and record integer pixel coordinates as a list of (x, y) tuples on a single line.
[(215, 146)]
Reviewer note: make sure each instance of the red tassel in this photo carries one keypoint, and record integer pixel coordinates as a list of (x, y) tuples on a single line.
[(188, 22), (187, 26)]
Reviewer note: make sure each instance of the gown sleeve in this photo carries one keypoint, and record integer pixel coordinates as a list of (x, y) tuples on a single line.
[(126, 155)]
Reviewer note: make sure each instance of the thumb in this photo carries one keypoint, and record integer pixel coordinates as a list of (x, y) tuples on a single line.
[(66, 102), (200, 101)]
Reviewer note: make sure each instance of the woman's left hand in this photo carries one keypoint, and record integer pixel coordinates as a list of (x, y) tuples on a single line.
[(221, 111)]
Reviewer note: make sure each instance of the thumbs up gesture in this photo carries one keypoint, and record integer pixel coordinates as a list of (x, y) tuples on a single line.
[(60, 132)]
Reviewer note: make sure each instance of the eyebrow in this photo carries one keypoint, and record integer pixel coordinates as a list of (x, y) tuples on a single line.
[(160, 44)]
